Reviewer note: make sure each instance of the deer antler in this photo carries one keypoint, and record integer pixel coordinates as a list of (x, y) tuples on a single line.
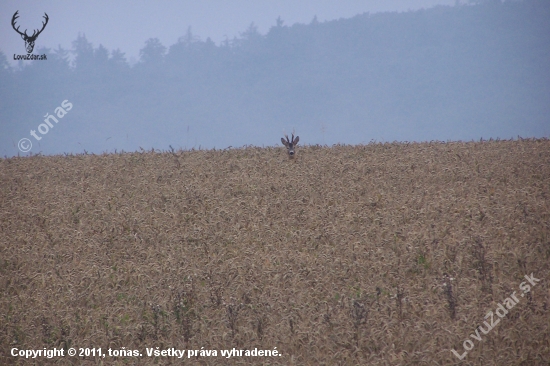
[(15, 16), (43, 26), (34, 34)]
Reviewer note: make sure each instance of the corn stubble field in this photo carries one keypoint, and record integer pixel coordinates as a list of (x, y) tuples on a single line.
[(379, 254)]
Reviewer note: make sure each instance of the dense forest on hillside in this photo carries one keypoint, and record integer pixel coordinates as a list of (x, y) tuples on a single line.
[(460, 72)]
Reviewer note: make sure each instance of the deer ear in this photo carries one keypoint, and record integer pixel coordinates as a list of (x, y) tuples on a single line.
[(284, 142), (296, 140)]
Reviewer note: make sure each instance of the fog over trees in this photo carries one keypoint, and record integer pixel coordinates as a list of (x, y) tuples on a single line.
[(446, 73)]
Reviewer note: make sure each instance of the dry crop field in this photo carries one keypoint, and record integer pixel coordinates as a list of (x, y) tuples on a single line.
[(379, 254)]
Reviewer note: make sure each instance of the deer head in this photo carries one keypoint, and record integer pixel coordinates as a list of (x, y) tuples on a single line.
[(29, 40), (290, 144)]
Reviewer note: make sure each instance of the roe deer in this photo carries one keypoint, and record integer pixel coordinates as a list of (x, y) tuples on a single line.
[(290, 144)]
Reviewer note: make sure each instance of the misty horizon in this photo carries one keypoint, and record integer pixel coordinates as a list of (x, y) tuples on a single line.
[(126, 25), (442, 73)]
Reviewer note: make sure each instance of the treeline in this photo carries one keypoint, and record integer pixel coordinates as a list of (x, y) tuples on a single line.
[(458, 72)]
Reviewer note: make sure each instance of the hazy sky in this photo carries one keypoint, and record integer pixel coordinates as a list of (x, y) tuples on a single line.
[(127, 24)]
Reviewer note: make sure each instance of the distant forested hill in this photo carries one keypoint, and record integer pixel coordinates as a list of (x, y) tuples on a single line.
[(460, 72)]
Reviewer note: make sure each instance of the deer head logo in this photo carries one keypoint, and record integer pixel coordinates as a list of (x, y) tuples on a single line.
[(290, 144), (29, 40)]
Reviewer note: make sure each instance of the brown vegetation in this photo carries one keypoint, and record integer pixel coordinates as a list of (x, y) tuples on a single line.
[(382, 254)]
